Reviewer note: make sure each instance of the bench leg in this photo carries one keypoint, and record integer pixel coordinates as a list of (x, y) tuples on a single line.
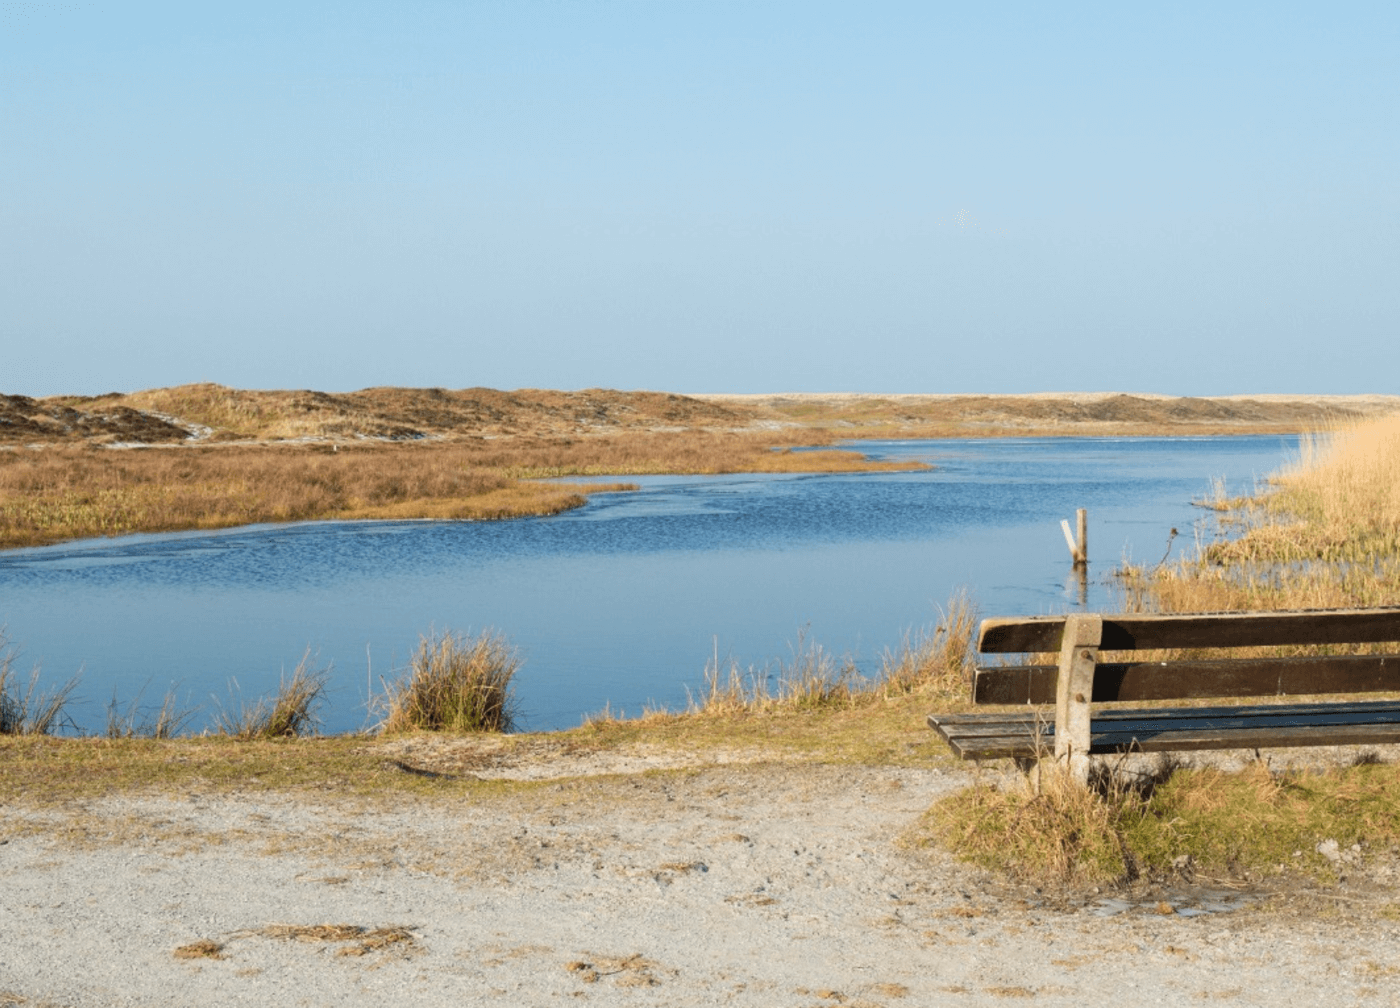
[(1074, 692), (1030, 766)]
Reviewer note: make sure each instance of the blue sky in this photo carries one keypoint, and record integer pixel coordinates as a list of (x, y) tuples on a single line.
[(700, 196)]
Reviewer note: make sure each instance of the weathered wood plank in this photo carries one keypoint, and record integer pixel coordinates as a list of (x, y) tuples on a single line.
[(1104, 720), (1138, 632), (1186, 680), (1024, 746), (1185, 729)]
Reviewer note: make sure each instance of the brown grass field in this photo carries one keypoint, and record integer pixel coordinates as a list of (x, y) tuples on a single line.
[(206, 456)]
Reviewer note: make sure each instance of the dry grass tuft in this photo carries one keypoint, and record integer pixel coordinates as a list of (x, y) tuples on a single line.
[(356, 940), (24, 708), (290, 713), (1061, 832), (931, 664), (202, 949), (133, 721), (812, 678), (1125, 825), (938, 662), (456, 684)]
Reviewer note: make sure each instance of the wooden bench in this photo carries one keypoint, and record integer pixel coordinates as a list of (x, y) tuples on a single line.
[(1080, 680)]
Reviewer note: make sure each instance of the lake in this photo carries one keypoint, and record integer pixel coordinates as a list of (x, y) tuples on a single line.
[(625, 600)]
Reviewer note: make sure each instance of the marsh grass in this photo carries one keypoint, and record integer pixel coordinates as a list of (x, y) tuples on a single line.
[(291, 712), (1325, 535), (455, 683), (936, 662), (1252, 823), (25, 708), (131, 720), (61, 493)]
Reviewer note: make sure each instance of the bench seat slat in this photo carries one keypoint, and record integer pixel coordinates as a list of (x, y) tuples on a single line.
[(1027, 714), (1138, 632), (985, 737), (1182, 680)]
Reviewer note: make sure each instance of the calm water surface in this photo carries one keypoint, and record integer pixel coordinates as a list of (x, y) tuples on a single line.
[(622, 601)]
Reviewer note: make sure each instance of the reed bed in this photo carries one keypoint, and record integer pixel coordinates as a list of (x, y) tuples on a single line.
[(457, 684), (1326, 536), (936, 664)]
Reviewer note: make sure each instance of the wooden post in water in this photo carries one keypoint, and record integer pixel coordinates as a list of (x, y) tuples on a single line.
[(1078, 547)]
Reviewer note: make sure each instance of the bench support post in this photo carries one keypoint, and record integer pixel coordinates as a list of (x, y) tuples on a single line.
[(1079, 653)]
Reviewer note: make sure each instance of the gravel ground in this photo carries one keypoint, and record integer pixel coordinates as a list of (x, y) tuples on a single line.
[(747, 883)]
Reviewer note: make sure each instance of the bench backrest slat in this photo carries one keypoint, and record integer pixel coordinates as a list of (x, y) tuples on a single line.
[(1184, 680), (1140, 632)]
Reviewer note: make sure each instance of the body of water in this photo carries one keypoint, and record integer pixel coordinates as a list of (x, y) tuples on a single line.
[(622, 601)]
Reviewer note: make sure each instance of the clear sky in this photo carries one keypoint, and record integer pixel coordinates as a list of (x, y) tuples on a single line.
[(701, 195)]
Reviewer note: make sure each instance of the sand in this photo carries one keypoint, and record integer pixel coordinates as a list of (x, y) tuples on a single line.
[(632, 880)]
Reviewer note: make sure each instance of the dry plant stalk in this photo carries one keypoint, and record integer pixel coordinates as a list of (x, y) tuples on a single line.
[(456, 684), (938, 662), (361, 940), (25, 709), (132, 721), (291, 712)]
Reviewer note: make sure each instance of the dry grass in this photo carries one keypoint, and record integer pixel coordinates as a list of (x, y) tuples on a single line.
[(355, 940), (202, 949), (1327, 536), (935, 665), (287, 714), (1250, 824), (131, 720), (68, 493), (60, 493), (25, 709), (455, 684)]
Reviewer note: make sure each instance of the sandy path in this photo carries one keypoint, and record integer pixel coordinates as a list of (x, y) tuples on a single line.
[(760, 884)]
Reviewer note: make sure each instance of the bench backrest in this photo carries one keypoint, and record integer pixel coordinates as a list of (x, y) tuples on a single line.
[(1194, 677)]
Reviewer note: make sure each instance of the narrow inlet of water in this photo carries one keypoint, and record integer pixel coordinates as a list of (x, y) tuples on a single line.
[(624, 601)]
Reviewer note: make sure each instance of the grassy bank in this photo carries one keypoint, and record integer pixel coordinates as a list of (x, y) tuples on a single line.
[(59, 493), (814, 706)]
